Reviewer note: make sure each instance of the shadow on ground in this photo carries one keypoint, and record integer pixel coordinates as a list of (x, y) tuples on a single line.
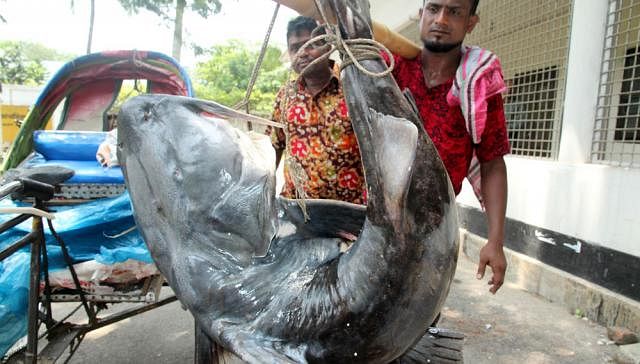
[(510, 327)]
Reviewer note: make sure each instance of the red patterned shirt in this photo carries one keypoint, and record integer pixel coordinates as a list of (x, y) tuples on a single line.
[(446, 126), (321, 140)]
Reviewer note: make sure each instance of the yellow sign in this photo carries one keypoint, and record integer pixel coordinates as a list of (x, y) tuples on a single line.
[(12, 117)]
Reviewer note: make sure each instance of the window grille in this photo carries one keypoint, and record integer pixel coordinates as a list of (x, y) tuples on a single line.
[(616, 138), (530, 111), (531, 38)]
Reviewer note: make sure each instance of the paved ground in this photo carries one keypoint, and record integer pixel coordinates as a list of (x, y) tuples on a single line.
[(511, 327), (516, 327)]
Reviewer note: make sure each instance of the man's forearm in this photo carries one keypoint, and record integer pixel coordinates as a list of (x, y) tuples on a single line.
[(494, 193)]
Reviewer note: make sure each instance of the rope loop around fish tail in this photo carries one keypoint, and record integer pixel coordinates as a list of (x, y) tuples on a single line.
[(352, 50)]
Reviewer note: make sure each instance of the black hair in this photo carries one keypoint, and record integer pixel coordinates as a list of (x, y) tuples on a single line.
[(474, 6), (300, 24)]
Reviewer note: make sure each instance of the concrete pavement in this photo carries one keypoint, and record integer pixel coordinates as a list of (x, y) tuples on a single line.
[(511, 327), (515, 326)]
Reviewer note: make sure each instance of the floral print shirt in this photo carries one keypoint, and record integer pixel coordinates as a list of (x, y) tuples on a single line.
[(321, 140)]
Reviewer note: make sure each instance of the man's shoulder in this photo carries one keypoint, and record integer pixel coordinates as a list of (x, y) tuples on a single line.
[(479, 54), (406, 69), (400, 60)]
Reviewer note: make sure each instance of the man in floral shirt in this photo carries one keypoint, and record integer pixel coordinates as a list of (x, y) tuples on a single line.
[(318, 129)]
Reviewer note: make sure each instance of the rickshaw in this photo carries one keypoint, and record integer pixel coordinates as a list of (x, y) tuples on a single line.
[(68, 234)]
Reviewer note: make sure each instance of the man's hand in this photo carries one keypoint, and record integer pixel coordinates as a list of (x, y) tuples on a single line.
[(103, 155), (493, 255), (494, 193)]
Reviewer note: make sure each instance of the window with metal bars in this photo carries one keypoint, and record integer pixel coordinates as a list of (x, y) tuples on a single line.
[(530, 111), (627, 126), (616, 138), (532, 40)]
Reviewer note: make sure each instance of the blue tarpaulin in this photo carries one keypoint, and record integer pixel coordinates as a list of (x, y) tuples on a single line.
[(87, 230)]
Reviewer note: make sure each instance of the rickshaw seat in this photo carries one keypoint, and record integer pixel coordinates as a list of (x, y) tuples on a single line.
[(75, 150)]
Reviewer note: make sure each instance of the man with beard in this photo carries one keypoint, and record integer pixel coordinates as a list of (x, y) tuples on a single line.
[(457, 90), (318, 138)]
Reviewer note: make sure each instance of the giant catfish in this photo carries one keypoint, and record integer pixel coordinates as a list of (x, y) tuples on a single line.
[(259, 279)]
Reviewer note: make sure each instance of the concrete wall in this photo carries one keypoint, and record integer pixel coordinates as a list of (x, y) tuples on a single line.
[(15, 101), (597, 203), (19, 94)]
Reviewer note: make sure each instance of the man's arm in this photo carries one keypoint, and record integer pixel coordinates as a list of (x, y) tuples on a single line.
[(494, 194)]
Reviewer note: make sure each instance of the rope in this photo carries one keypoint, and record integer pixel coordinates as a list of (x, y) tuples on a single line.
[(256, 68), (296, 171), (354, 50)]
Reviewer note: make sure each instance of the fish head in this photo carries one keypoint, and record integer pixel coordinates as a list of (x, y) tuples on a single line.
[(210, 185)]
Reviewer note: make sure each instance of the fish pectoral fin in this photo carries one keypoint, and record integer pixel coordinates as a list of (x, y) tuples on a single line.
[(436, 346), (396, 140), (249, 348), (412, 102)]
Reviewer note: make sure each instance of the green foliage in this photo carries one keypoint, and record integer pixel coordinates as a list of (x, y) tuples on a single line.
[(21, 62), (158, 7), (38, 52), (17, 68), (206, 7), (224, 77), (165, 8), (129, 89)]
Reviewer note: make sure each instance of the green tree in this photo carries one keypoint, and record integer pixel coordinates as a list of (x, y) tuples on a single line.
[(38, 52), (164, 8), (17, 68), (224, 77)]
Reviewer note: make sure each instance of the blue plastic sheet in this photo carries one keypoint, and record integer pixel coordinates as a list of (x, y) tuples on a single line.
[(86, 230)]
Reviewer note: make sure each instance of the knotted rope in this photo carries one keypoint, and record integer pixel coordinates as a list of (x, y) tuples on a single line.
[(244, 103), (352, 50)]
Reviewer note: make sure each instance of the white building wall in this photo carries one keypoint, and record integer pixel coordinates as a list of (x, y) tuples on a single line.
[(19, 94), (596, 203)]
